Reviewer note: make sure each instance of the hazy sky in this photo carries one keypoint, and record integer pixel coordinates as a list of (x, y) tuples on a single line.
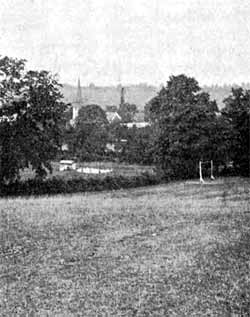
[(132, 41)]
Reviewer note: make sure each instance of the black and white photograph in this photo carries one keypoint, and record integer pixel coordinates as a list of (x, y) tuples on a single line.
[(125, 158)]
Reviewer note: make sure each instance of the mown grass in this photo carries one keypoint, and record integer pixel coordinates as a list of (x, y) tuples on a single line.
[(180, 249)]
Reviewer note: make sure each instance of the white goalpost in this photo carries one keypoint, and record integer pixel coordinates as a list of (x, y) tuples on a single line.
[(211, 170)]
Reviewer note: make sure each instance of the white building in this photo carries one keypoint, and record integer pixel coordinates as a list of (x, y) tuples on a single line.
[(136, 124), (67, 165), (113, 117)]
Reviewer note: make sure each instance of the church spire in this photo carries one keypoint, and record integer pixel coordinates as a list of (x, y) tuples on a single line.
[(78, 102), (79, 92)]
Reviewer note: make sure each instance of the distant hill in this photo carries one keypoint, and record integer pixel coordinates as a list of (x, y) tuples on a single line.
[(138, 94), (107, 96), (219, 93)]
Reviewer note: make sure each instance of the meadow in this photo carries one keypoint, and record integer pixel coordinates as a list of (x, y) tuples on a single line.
[(178, 249), (118, 169)]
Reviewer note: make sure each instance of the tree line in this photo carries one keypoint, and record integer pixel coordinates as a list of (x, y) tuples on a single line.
[(189, 128), (185, 127)]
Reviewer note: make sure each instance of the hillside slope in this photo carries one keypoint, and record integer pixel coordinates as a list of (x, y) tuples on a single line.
[(139, 94), (110, 95)]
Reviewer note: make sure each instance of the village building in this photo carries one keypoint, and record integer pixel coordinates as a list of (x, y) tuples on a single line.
[(136, 124), (67, 165), (113, 117), (111, 110)]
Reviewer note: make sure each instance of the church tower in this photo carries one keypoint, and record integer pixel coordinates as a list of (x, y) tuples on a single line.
[(79, 92), (78, 103), (122, 100)]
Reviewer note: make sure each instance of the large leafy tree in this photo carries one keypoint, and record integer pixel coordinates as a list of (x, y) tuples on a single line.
[(152, 109), (91, 133), (134, 145), (236, 114), (186, 127), (31, 115)]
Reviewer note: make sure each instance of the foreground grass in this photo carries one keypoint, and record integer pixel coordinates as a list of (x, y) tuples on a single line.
[(180, 249)]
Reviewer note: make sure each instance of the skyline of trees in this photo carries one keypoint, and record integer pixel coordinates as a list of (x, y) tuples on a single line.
[(186, 126), (185, 123)]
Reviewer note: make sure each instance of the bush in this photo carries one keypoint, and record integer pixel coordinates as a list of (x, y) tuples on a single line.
[(57, 185)]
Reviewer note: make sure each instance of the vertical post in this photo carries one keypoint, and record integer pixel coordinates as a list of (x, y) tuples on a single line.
[(200, 171), (212, 170)]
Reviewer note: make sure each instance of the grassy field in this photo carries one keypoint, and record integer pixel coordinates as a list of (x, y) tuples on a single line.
[(180, 249), (117, 169)]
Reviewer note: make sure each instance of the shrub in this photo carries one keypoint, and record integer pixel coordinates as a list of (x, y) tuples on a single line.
[(57, 185)]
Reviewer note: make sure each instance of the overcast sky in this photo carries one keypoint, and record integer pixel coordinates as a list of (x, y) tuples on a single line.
[(131, 41)]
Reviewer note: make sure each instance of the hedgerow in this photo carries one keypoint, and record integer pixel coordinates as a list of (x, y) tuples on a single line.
[(58, 185)]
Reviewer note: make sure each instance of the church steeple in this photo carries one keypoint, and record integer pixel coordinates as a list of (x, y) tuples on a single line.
[(78, 102), (79, 92)]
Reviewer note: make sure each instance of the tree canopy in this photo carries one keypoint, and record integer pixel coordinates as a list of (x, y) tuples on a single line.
[(90, 133), (133, 145), (185, 122), (236, 114), (127, 111), (31, 115)]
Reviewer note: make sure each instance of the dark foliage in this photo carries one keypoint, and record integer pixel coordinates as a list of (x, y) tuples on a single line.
[(132, 145), (236, 115), (138, 146), (57, 185), (31, 119), (186, 127), (127, 111), (90, 134)]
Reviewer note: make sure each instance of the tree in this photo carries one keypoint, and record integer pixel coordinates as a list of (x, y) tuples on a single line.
[(153, 107), (31, 117), (185, 124), (135, 145), (127, 111), (90, 133), (236, 114)]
